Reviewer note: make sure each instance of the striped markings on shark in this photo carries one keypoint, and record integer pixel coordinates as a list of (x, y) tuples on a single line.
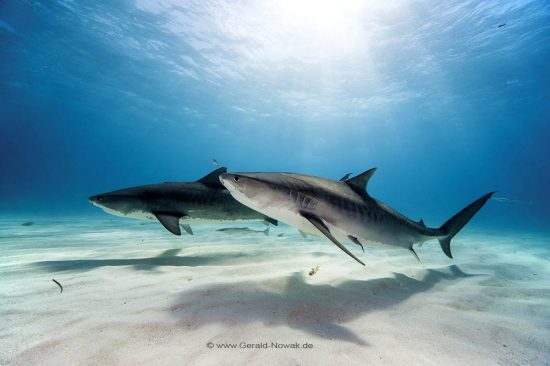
[(342, 211)]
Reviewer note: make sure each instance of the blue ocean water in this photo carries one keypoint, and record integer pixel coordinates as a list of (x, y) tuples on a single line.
[(449, 100)]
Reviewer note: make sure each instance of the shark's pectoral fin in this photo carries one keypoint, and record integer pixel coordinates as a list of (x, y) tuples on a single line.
[(414, 253), (356, 241), (169, 221), (187, 228), (320, 225)]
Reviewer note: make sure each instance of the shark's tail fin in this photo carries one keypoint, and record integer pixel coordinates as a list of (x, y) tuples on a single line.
[(266, 231), (457, 222)]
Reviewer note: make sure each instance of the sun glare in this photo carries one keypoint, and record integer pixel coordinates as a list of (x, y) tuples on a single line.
[(330, 22)]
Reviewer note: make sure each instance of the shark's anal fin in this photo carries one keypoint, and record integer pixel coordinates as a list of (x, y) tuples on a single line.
[(414, 253), (356, 241), (169, 221), (187, 228), (320, 225)]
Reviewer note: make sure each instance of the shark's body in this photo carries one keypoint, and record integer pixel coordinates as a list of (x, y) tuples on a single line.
[(176, 204), (343, 211)]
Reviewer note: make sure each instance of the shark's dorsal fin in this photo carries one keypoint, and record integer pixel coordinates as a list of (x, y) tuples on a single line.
[(359, 182), (421, 222), (170, 221), (213, 178)]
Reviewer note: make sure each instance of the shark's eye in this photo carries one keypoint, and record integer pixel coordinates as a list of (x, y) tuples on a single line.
[(99, 198), (236, 178)]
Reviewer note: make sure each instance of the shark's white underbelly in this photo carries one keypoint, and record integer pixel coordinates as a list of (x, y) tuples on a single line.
[(143, 215)]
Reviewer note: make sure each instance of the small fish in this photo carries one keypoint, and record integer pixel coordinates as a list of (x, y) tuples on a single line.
[(58, 284), (243, 230), (28, 223), (501, 25), (314, 270), (215, 162), (510, 200)]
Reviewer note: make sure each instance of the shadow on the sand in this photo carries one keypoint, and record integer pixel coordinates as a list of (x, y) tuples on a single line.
[(166, 258), (291, 301)]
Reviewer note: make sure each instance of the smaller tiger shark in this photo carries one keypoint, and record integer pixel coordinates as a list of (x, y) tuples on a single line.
[(176, 204), (342, 210)]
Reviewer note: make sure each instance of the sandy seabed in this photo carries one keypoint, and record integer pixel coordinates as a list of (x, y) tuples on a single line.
[(136, 295)]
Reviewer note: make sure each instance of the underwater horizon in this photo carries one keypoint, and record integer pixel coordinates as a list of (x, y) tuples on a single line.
[(98, 96)]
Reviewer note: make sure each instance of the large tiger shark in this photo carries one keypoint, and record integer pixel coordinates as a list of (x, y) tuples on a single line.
[(342, 211), (176, 204)]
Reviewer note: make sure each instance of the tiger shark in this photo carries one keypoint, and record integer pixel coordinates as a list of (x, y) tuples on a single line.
[(343, 211), (176, 204)]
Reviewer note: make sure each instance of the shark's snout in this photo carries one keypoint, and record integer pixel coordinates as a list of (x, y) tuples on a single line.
[(225, 178), (96, 199)]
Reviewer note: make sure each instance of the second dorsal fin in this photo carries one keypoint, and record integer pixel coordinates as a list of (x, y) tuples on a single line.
[(212, 178), (359, 182)]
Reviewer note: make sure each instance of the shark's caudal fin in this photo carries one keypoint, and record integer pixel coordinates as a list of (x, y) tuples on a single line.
[(457, 222)]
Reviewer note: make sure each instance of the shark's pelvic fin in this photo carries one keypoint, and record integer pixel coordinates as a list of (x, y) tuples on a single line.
[(187, 228), (320, 225), (212, 178), (304, 234), (169, 221), (271, 221), (359, 182), (356, 241), (414, 253)]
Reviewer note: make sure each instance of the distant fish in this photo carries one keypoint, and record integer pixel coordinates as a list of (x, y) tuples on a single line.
[(501, 25), (510, 200), (243, 230), (58, 284), (28, 223), (215, 162)]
